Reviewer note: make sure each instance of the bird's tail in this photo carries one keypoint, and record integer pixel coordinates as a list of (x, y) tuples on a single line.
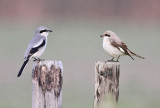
[(136, 55), (21, 70)]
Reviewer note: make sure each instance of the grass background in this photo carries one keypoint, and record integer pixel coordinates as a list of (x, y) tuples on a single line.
[(78, 45)]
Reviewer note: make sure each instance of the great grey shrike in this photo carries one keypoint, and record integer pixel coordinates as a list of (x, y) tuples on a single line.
[(36, 46)]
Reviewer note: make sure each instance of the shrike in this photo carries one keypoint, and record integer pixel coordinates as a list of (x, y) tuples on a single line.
[(36, 46), (113, 45)]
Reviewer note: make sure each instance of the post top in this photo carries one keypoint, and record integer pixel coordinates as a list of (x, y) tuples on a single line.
[(48, 63), (108, 62)]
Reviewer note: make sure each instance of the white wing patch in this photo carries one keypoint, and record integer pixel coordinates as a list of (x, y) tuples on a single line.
[(121, 49)]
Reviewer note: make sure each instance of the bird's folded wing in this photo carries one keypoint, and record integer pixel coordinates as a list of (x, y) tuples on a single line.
[(121, 46), (37, 42), (33, 47)]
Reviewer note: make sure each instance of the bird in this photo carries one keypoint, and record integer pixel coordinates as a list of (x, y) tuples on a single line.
[(36, 46), (113, 45)]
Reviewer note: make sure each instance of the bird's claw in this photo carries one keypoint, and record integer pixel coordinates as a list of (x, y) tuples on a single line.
[(112, 61), (38, 59)]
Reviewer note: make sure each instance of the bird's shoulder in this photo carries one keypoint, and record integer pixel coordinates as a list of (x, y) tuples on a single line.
[(34, 43), (37, 40), (118, 44)]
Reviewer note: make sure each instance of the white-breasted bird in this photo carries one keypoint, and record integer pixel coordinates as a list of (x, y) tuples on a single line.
[(113, 45), (36, 46)]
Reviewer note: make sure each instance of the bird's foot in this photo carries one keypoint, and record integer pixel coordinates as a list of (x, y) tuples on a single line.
[(38, 59), (112, 61), (35, 59), (116, 61)]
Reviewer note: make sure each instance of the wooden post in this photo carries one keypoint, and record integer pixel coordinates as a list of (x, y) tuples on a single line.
[(47, 82), (106, 82)]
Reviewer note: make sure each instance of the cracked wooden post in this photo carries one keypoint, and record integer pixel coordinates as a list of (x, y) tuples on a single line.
[(106, 83), (47, 82)]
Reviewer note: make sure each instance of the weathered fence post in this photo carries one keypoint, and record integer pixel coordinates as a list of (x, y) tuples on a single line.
[(47, 82), (106, 82)]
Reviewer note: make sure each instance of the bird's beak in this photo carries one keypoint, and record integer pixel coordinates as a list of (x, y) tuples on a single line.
[(101, 36), (49, 30)]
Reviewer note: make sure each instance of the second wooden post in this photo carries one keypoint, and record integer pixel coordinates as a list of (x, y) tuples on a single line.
[(106, 82)]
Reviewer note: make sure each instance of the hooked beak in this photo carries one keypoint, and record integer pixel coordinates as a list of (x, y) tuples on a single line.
[(101, 36), (49, 30)]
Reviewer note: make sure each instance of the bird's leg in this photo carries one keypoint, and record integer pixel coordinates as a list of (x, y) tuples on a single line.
[(111, 60), (117, 59), (35, 59), (38, 59)]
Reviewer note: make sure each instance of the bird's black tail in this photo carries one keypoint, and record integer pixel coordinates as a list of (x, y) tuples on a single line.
[(24, 64)]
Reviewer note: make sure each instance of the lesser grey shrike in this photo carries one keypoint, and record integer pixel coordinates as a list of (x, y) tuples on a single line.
[(113, 45), (36, 46)]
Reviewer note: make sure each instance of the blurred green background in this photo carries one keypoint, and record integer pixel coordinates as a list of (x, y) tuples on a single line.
[(77, 26)]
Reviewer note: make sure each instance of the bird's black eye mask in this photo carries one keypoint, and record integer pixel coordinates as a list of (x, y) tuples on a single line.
[(107, 35), (43, 31)]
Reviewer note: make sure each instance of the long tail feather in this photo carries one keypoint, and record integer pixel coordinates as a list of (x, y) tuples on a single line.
[(136, 55), (127, 52), (131, 56), (21, 70)]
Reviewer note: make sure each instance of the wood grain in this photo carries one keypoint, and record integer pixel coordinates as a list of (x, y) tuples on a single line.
[(47, 83), (106, 81)]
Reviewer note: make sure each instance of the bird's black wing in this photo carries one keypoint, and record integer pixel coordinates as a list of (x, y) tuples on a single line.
[(35, 49)]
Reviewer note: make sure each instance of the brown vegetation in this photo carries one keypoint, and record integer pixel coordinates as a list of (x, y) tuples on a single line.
[(133, 9)]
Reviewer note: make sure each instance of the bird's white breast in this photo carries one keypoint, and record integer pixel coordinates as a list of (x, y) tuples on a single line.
[(39, 52), (111, 50)]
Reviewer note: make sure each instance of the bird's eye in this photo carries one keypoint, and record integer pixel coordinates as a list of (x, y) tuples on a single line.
[(43, 31), (107, 35)]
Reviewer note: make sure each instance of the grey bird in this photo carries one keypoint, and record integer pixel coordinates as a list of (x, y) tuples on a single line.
[(113, 45), (36, 46)]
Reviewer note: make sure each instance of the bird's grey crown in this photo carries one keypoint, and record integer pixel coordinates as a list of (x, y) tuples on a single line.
[(112, 35), (109, 32), (41, 28)]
